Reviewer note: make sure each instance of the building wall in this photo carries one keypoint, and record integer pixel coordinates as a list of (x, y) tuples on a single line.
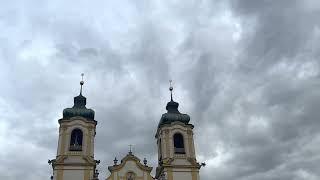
[(75, 165), (177, 166), (73, 175), (166, 134), (130, 166), (182, 175)]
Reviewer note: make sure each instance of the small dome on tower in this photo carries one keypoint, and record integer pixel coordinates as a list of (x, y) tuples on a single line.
[(79, 107), (173, 113)]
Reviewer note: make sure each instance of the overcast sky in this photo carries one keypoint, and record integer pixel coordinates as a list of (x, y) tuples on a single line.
[(246, 71)]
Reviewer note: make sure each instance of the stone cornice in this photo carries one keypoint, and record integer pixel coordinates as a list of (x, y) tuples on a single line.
[(129, 157), (165, 126), (78, 118), (60, 160)]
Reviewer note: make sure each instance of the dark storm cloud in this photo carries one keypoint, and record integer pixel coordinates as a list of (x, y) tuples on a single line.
[(246, 72), (278, 70)]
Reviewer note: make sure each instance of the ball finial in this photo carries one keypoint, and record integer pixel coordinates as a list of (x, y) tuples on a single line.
[(82, 82), (171, 89)]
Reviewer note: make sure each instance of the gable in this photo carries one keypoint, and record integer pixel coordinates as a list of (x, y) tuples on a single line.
[(130, 166)]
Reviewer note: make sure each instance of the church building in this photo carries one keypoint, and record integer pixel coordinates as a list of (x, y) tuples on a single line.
[(75, 152)]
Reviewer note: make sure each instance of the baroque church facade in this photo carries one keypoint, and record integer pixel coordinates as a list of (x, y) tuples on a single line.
[(75, 153)]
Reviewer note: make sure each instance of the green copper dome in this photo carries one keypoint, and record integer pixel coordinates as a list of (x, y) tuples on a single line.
[(78, 109), (173, 115)]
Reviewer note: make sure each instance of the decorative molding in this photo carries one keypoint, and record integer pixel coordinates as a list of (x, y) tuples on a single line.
[(167, 143), (193, 161), (74, 153), (124, 161), (180, 156), (167, 161), (189, 132), (176, 123), (78, 118)]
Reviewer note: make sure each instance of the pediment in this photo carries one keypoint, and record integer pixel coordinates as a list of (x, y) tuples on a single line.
[(130, 163)]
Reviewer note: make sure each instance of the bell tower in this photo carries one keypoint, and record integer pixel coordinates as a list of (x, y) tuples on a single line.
[(75, 153), (176, 152)]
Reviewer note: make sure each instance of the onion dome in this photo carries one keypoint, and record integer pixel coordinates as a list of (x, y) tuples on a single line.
[(173, 114), (79, 107)]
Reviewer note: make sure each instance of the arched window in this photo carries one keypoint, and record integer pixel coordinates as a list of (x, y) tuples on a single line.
[(76, 140), (178, 144)]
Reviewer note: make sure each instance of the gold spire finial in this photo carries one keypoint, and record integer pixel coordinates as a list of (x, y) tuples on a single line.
[(130, 148), (171, 88), (81, 82)]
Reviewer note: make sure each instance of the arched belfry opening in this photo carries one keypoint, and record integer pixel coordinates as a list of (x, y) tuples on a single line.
[(178, 144), (76, 140)]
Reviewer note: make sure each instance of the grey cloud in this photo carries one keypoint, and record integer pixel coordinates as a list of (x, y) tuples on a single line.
[(253, 100)]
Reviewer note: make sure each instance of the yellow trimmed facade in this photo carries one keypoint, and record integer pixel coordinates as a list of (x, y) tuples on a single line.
[(75, 165), (130, 166), (75, 152), (177, 166)]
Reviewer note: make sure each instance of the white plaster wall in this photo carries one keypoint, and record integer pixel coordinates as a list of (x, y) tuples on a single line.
[(181, 162), (59, 142), (182, 176), (73, 175), (74, 159), (92, 142), (130, 166), (145, 177)]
